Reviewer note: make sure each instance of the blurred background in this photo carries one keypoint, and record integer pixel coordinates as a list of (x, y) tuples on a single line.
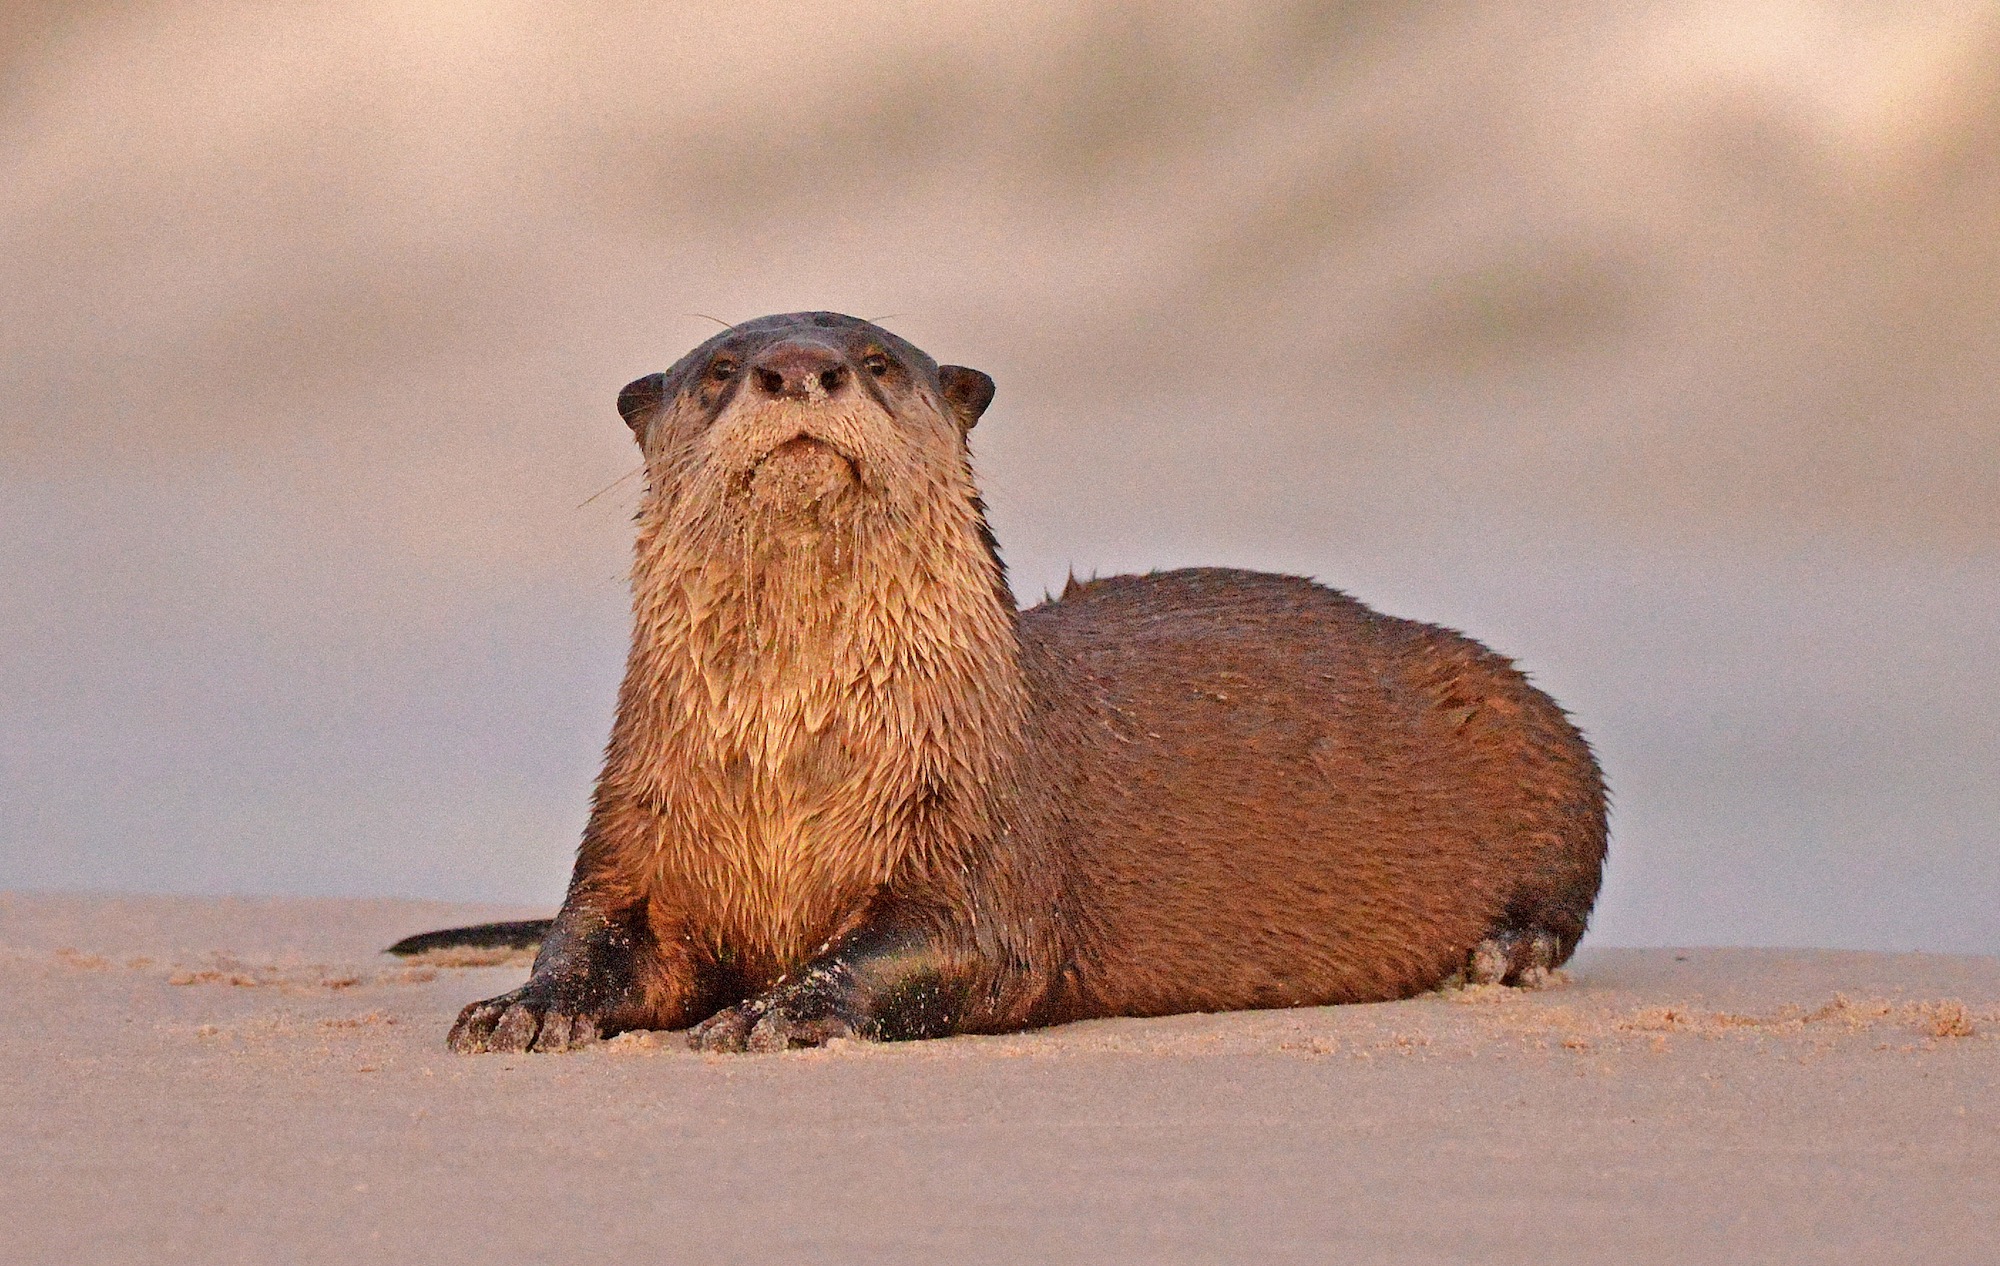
[(1654, 345)]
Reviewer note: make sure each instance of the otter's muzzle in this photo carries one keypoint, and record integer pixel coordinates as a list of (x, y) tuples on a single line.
[(800, 473)]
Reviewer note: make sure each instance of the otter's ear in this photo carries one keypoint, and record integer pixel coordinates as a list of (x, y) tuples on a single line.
[(640, 397), (967, 391)]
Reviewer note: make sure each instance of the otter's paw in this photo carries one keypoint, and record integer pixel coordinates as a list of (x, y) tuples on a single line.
[(810, 1012), (539, 1016), (1524, 959)]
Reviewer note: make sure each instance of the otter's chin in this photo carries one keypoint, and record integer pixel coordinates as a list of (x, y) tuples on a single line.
[(801, 475)]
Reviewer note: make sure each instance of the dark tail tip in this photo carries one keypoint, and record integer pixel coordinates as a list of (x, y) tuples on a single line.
[(526, 934)]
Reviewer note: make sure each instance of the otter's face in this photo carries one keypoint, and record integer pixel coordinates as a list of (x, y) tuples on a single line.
[(803, 421)]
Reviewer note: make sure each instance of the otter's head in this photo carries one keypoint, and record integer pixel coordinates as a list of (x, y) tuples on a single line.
[(804, 422)]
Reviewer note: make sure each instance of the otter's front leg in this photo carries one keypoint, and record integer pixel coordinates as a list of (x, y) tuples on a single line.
[(896, 976), (597, 974)]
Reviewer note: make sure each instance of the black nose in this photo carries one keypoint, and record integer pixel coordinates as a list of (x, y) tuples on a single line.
[(799, 370)]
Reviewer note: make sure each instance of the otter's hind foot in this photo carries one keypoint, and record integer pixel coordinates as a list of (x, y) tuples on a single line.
[(1525, 959)]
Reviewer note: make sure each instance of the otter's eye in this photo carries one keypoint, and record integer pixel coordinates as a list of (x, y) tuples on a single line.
[(721, 369), (877, 364)]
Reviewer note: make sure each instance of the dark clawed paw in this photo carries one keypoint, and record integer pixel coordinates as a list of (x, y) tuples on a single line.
[(1524, 959), (728, 1029), (532, 1018), (782, 1020)]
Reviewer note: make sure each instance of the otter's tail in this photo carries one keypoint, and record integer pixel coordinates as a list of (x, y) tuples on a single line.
[(524, 935)]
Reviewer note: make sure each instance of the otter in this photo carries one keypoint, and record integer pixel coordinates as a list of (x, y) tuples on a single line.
[(852, 791)]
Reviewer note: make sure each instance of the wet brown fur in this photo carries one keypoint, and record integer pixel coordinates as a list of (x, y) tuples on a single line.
[(851, 790)]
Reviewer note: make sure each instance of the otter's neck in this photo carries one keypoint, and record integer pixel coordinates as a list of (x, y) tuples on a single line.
[(807, 709)]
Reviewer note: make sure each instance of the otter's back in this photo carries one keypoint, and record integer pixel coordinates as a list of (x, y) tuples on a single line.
[(1285, 797)]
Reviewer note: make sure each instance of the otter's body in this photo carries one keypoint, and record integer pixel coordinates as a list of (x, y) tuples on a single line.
[(1273, 796), (851, 791)]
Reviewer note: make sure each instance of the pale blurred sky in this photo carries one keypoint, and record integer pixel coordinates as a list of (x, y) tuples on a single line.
[(1654, 345)]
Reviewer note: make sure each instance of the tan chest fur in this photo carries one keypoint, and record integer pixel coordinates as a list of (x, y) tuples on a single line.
[(803, 729)]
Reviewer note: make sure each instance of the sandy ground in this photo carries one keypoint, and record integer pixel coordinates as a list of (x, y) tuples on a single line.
[(192, 1080)]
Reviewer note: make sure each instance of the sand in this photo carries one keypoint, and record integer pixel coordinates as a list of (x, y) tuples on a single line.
[(195, 1080)]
